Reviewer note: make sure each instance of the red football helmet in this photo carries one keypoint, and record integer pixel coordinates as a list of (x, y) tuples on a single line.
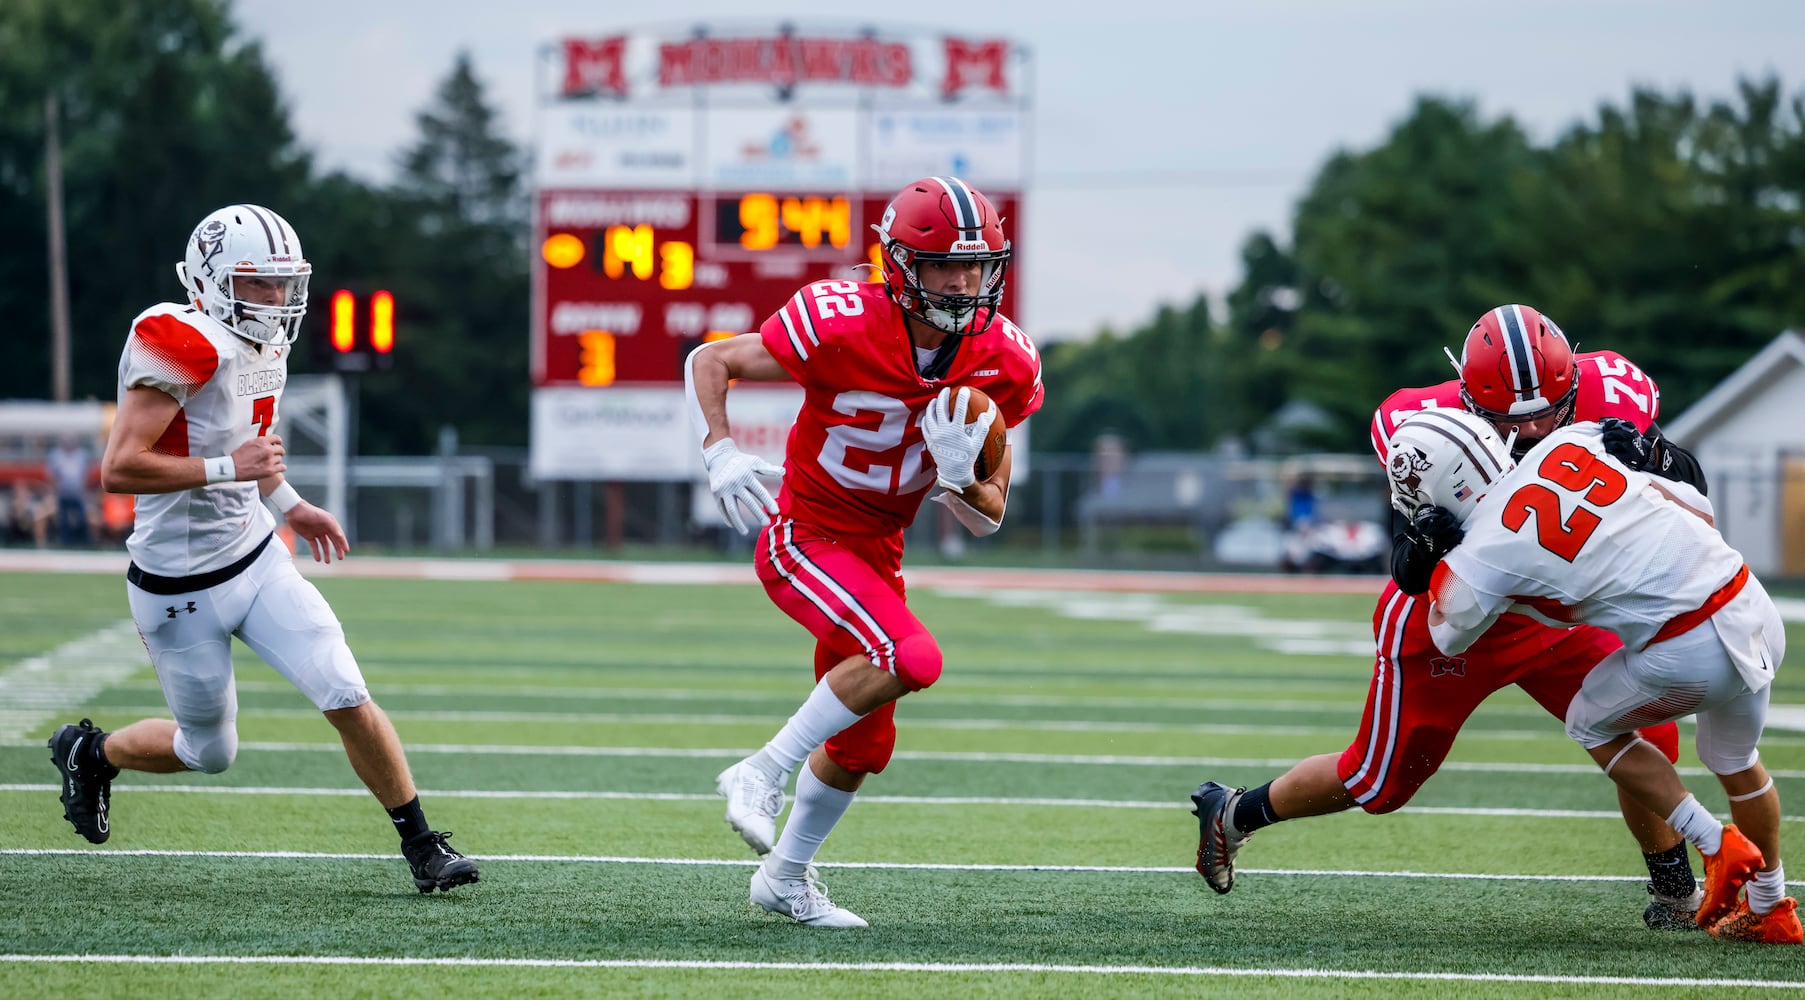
[(943, 218), (1517, 367)]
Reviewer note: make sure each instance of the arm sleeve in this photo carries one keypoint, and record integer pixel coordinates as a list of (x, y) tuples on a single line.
[(1411, 560), (1673, 462)]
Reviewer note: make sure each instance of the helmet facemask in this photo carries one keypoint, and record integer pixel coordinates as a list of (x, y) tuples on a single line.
[(958, 315)]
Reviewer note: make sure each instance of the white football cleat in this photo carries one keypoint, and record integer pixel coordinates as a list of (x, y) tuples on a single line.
[(801, 900), (754, 799)]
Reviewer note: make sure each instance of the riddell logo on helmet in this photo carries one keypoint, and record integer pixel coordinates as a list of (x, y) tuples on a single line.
[(963, 245)]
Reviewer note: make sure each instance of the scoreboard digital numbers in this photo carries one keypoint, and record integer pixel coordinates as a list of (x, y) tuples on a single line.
[(688, 183)]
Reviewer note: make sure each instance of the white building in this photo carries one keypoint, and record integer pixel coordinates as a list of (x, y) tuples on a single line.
[(1749, 434)]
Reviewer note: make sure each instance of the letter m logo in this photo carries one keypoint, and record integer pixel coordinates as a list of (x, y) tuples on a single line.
[(974, 64), (595, 67)]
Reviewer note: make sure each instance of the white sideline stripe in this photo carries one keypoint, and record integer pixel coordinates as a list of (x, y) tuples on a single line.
[(924, 967), (610, 859), (908, 800), (36, 689)]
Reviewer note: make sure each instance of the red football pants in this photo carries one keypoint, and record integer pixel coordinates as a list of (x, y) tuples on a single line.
[(848, 592), (1419, 698)]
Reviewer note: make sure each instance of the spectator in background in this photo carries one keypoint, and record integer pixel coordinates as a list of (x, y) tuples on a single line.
[(28, 513), (1300, 503), (69, 463)]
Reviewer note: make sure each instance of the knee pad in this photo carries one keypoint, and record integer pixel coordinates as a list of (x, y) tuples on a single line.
[(1665, 738), (209, 749), (1717, 761), (918, 661)]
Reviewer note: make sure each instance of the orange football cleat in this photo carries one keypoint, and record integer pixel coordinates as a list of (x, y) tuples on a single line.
[(1777, 926), (1737, 859)]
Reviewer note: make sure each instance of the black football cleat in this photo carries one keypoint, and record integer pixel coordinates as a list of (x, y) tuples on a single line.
[(436, 864), (1217, 841), (87, 790)]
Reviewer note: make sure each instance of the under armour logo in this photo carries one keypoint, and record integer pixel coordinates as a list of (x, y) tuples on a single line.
[(1456, 665), (173, 610)]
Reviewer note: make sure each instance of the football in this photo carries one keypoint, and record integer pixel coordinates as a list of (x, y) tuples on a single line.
[(991, 455)]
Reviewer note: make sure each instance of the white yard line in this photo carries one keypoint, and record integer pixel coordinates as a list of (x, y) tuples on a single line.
[(928, 968), (973, 756), (46, 687), (136, 788), (775, 720)]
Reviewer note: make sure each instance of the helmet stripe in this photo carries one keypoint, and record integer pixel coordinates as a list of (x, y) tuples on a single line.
[(1517, 351), (1466, 439), (251, 210), (965, 207)]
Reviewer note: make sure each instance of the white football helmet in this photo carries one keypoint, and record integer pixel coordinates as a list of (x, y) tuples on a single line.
[(1446, 458), (254, 242)]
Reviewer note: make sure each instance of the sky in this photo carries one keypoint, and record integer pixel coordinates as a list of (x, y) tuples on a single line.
[(1164, 134)]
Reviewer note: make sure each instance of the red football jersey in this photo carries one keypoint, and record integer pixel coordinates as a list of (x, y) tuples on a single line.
[(855, 462), (1609, 386)]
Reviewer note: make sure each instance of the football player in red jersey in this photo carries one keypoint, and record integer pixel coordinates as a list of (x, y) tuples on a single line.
[(883, 368), (1517, 371)]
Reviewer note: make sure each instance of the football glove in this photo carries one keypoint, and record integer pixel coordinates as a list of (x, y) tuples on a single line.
[(1437, 530), (733, 478), (954, 443), (1626, 444)]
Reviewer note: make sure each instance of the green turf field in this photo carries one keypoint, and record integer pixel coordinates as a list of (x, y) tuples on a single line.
[(1033, 837)]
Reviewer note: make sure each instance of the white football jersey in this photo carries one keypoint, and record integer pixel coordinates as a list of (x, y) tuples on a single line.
[(230, 390), (1575, 536)]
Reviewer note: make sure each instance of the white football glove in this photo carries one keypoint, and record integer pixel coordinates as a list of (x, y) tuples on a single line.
[(954, 443), (733, 478)]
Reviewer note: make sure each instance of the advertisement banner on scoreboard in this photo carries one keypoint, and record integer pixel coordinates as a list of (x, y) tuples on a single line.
[(583, 145), (986, 148), (643, 434), (781, 148)]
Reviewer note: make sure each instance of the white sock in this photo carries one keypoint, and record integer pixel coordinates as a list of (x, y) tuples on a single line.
[(820, 719), (817, 810), (1696, 824), (1766, 889)]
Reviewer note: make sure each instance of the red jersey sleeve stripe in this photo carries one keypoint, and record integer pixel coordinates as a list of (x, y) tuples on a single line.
[(175, 351)]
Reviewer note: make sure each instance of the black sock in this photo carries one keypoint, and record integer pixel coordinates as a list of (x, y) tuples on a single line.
[(1254, 811), (1671, 872), (410, 822), (95, 756)]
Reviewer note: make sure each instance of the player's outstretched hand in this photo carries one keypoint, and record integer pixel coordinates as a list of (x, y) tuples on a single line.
[(733, 478), (1626, 444), (321, 529), (954, 443), (1437, 528), (259, 458)]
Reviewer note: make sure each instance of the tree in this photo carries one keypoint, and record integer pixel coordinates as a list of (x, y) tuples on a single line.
[(453, 250), (165, 117)]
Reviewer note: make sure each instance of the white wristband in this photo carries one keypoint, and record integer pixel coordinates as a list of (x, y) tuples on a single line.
[(285, 497), (221, 470)]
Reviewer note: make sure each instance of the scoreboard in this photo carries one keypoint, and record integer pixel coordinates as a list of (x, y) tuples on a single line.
[(633, 283), (688, 182)]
